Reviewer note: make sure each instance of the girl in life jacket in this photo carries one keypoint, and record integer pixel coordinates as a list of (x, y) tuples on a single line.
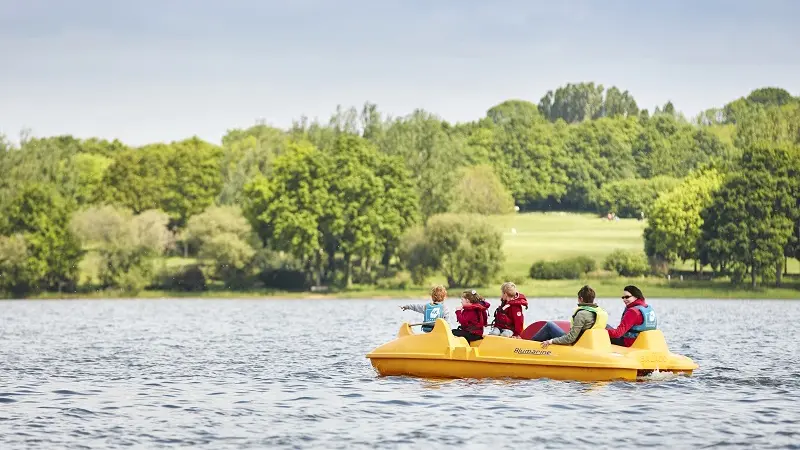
[(436, 309), (472, 316), (508, 318)]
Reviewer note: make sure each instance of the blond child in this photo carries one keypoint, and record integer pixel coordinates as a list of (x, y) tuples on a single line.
[(508, 317), (431, 311)]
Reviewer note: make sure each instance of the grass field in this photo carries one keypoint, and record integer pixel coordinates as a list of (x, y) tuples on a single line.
[(531, 237), (550, 236)]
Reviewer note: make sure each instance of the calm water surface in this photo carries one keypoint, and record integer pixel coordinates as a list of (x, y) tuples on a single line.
[(246, 374)]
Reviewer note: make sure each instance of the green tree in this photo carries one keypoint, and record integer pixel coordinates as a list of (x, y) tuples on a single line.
[(770, 96), (577, 102), (226, 243), (196, 179), (418, 254), (289, 210), (246, 154), (632, 198), (430, 153), (38, 161), (88, 169), (771, 124), (479, 190), (398, 209), (181, 179), (466, 248), (126, 243), (139, 179), (666, 146), (354, 212), (16, 276), (524, 152), (217, 220), (675, 222), (597, 151), (40, 214), (514, 113), (228, 258), (619, 103), (574, 102), (748, 225)]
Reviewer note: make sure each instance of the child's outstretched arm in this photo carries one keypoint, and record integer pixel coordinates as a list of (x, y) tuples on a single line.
[(420, 308)]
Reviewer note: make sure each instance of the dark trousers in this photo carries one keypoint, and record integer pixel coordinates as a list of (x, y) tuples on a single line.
[(616, 341), (549, 331), (458, 332)]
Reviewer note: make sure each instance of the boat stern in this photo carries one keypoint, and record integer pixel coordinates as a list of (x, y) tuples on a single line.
[(651, 352), (417, 349)]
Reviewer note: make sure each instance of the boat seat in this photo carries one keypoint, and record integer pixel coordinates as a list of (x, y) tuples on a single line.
[(595, 339), (650, 340)]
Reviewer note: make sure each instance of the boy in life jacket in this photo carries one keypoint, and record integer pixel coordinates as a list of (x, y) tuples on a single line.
[(508, 318), (472, 316), (431, 311), (588, 315), (637, 316)]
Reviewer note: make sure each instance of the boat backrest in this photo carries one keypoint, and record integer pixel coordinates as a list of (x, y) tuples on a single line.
[(651, 340), (595, 340), (440, 341)]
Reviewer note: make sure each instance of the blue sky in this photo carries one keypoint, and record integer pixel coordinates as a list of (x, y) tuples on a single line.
[(162, 70)]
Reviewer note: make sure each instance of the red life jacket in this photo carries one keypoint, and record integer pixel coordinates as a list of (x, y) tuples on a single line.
[(508, 316), (473, 318)]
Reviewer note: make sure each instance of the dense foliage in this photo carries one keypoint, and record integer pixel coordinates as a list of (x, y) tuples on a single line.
[(564, 269), (364, 197)]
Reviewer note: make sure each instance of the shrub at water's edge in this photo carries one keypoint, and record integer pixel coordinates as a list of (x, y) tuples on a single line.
[(564, 269), (627, 264)]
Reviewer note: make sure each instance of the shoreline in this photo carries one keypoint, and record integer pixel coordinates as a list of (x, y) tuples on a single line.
[(606, 288)]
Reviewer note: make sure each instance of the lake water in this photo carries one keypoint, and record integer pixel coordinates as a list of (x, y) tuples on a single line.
[(247, 374)]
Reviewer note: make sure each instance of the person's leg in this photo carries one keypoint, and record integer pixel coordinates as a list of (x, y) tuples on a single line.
[(457, 332), (549, 331), (472, 337), (618, 341), (615, 341), (507, 333)]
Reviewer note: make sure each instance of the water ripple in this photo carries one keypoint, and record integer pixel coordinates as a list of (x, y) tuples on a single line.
[(230, 374)]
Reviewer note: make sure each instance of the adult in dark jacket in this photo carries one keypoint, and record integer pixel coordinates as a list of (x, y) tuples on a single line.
[(638, 316)]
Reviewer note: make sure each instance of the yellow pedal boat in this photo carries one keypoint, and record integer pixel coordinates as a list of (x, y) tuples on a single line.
[(439, 354)]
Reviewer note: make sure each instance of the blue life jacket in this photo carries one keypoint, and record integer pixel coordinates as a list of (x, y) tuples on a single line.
[(650, 322), (432, 312)]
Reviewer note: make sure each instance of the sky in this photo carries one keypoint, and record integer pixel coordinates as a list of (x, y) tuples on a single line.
[(163, 70)]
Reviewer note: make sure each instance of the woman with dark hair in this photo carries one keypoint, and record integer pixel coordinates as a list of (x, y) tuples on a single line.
[(638, 316)]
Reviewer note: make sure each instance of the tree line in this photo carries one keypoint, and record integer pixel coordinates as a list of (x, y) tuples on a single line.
[(364, 195)]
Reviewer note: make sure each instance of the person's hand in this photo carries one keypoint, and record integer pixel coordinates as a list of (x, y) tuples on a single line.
[(516, 337), (546, 343)]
